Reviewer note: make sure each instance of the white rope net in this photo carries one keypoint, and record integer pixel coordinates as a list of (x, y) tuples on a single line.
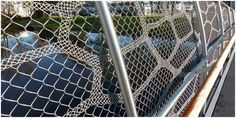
[(55, 61)]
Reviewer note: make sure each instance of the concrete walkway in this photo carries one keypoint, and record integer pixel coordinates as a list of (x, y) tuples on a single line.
[(225, 106)]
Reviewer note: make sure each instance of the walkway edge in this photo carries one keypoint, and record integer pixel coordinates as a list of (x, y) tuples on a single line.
[(215, 97), (199, 99)]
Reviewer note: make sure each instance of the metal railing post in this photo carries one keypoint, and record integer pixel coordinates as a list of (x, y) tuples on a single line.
[(230, 20), (221, 23), (113, 44), (195, 107), (164, 112), (233, 17), (188, 79), (201, 28), (221, 18), (202, 36), (229, 16)]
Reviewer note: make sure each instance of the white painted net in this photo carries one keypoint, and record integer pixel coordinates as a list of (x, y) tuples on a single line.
[(55, 61), (211, 22)]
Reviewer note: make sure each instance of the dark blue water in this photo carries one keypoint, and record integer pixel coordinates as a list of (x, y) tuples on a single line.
[(49, 85), (53, 83)]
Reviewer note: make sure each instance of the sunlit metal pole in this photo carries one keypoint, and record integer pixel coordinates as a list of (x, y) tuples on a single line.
[(188, 79), (233, 16), (221, 18), (201, 28), (203, 39), (164, 112), (111, 38), (229, 18), (221, 23), (194, 109)]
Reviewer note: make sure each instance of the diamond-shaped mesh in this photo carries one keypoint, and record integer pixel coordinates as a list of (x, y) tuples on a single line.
[(226, 22), (158, 52), (211, 20), (232, 16), (210, 26), (55, 60), (225, 16), (52, 58)]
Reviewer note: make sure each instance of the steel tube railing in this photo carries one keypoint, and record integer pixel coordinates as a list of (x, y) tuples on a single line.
[(202, 34), (188, 79), (111, 38), (182, 88), (201, 28), (215, 97), (230, 20), (233, 17), (221, 18), (148, 37), (221, 22), (229, 16), (195, 108), (199, 100), (164, 112)]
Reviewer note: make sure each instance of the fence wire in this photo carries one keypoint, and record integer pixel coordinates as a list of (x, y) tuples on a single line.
[(211, 20), (55, 60), (181, 104)]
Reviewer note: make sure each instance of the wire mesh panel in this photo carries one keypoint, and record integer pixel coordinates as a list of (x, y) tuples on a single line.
[(155, 54), (227, 19), (232, 16), (211, 20), (185, 99), (55, 60), (179, 108), (69, 66), (225, 15), (232, 21)]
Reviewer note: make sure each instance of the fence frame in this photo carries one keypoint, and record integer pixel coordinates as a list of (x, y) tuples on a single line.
[(203, 64), (121, 70), (221, 18), (201, 28), (112, 40), (194, 109), (189, 78)]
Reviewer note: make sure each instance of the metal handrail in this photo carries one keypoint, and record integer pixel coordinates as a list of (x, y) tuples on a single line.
[(165, 110), (219, 87), (194, 109), (119, 53)]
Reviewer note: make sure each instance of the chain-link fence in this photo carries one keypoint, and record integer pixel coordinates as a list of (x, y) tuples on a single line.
[(55, 59)]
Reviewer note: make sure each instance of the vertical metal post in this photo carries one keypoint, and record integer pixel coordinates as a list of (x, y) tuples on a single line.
[(182, 88), (203, 39), (229, 16), (233, 20), (221, 18), (233, 17), (111, 38), (230, 20), (221, 24), (204, 108), (201, 28)]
